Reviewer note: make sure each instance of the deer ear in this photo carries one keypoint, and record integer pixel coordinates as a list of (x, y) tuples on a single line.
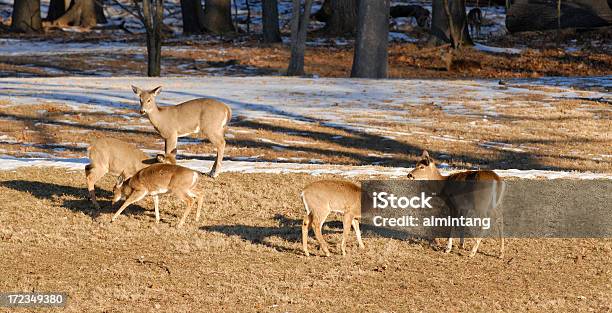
[(156, 91), (425, 154), (136, 90), (160, 158)]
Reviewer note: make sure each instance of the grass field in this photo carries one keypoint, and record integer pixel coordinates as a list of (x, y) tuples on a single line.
[(245, 255)]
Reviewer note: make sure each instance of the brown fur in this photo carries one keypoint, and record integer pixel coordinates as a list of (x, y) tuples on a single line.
[(321, 198), (206, 116), (109, 155), (426, 169), (159, 179)]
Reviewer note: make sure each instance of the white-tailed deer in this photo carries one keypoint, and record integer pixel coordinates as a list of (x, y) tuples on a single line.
[(323, 197), (484, 200), (207, 116), (159, 179), (108, 155)]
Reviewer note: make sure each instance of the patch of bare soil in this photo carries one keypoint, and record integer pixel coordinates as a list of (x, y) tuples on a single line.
[(245, 256)]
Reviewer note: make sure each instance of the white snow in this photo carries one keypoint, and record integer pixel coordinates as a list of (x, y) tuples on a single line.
[(12, 163), (484, 48), (359, 106)]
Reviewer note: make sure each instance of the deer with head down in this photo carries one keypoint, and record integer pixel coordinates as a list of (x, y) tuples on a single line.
[(484, 200), (206, 116), (109, 155), (160, 179)]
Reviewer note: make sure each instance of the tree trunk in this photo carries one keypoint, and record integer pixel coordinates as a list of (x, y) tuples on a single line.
[(26, 16), (81, 13), (99, 8), (343, 19), (324, 12), (370, 60), (271, 31), (532, 15), (440, 25), (153, 20), (218, 16), (193, 16), (299, 28), (59, 8), (56, 9)]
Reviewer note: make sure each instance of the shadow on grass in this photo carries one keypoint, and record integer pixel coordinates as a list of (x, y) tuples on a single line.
[(290, 231), (43, 190)]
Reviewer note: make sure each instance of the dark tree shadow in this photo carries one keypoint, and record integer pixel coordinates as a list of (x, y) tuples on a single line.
[(290, 230), (42, 190)]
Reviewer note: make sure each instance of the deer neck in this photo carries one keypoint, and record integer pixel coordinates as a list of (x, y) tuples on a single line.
[(154, 115), (438, 176)]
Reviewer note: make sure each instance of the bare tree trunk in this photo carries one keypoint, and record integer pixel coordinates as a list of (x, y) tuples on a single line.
[(26, 16), (218, 16), (81, 13), (271, 31), (57, 8), (558, 23), (531, 15), (152, 18), (370, 60), (440, 23), (99, 8), (193, 16), (299, 29), (248, 19), (343, 19)]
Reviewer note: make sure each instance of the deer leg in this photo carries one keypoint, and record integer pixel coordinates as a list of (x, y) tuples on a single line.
[(346, 229), (219, 142), (355, 223), (189, 202), (449, 245), (156, 204), (200, 202), (93, 174), (317, 225), (305, 224), (501, 237), (137, 195), (462, 238), (170, 147), (475, 247)]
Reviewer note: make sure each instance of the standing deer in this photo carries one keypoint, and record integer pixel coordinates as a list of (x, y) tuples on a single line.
[(474, 20), (323, 197), (207, 116), (108, 155), (485, 200), (159, 179)]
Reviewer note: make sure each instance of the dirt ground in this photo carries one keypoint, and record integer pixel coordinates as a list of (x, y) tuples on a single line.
[(245, 256)]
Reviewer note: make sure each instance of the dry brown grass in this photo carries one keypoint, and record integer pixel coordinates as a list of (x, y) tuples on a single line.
[(245, 256)]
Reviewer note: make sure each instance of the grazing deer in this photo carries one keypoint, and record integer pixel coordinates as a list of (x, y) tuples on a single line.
[(207, 116), (108, 155), (159, 179), (323, 197), (474, 20), (485, 200)]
